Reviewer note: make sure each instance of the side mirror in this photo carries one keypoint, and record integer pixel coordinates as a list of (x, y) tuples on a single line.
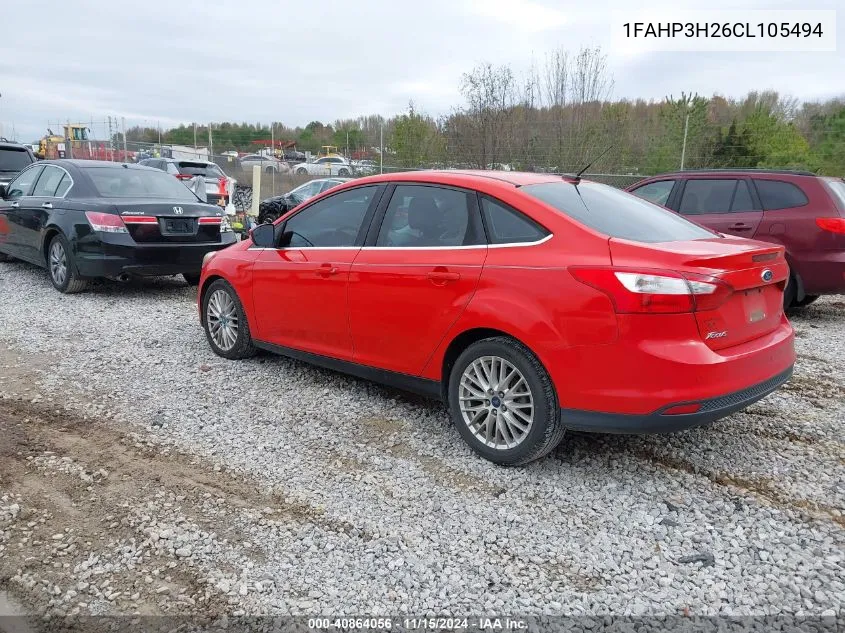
[(264, 236)]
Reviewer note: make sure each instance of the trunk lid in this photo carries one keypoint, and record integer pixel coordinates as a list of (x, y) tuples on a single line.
[(755, 272), (164, 222)]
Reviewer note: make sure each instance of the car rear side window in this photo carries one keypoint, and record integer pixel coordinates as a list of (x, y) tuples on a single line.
[(506, 225), (616, 213), (63, 186), (777, 194), (48, 182), (656, 192), (421, 216)]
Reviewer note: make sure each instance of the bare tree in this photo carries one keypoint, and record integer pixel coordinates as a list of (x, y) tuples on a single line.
[(489, 93)]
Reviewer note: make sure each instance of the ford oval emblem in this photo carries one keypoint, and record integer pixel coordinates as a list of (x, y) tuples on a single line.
[(767, 275)]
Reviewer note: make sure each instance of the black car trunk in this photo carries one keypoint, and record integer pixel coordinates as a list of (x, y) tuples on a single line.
[(165, 222)]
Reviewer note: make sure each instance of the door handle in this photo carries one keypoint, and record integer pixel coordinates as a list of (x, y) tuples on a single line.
[(741, 226), (327, 270), (15, 205), (442, 276), (47, 205)]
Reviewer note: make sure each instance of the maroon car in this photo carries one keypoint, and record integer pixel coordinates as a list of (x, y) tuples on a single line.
[(802, 211)]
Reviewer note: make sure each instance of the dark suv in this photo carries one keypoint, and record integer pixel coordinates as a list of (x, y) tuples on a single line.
[(13, 158), (802, 211)]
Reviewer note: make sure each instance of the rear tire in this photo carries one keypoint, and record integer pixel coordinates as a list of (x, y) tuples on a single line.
[(511, 404), (192, 279), (343, 172), (61, 267), (790, 293), (301, 171), (807, 300), (225, 323)]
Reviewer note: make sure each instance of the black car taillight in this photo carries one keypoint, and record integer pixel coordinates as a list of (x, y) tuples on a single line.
[(105, 222)]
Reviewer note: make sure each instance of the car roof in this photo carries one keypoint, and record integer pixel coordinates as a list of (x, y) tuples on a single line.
[(738, 172), (470, 178)]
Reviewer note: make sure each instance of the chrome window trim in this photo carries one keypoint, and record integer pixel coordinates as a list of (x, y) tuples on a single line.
[(403, 248), (67, 173)]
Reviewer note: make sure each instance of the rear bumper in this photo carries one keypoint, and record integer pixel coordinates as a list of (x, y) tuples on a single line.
[(822, 272), (658, 422), (113, 259)]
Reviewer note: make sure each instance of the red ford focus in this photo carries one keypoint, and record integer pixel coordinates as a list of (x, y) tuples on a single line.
[(530, 303)]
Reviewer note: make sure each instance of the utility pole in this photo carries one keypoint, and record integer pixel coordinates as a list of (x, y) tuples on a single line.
[(123, 125), (111, 142), (195, 135), (381, 148), (158, 125), (347, 145), (273, 152), (684, 146), (210, 145)]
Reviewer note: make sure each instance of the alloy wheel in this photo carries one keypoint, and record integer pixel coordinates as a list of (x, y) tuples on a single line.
[(222, 318), (496, 402), (58, 262)]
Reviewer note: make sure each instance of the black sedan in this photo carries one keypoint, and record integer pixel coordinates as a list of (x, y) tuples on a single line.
[(85, 219)]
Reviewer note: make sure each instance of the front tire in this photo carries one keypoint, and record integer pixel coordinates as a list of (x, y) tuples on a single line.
[(225, 323), (503, 403), (62, 268), (343, 172), (301, 171)]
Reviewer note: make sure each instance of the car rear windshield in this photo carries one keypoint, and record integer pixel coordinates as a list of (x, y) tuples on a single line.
[(616, 213), (200, 169), (14, 159), (112, 182)]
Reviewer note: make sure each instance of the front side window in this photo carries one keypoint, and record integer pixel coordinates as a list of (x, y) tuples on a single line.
[(120, 182), (48, 182), (508, 226), (421, 216), (22, 185), (616, 213), (656, 192), (707, 196), (777, 194), (331, 222)]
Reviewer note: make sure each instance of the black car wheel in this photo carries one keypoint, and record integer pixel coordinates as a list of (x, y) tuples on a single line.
[(503, 403), (62, 268), (192, 279), (343, 172), (224, 320), (301, 171)]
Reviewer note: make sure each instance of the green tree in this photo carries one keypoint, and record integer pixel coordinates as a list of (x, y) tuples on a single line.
[(776, 143), (734, 150), (416, 140), (830, 153)]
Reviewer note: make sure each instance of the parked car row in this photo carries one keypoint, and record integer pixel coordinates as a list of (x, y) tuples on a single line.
[(530, 303)]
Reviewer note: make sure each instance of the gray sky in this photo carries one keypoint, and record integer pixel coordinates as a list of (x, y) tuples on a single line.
[(295, 61)]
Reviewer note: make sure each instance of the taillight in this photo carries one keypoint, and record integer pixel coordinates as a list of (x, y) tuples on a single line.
[(665, 292), (833, 225), (211, 220), (105, 222), (139, 219)]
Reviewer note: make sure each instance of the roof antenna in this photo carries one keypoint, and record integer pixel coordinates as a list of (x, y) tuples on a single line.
[(577, 177)]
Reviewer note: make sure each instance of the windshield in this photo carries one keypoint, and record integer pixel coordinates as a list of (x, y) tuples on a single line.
[(14, 159), (200, 169), (113, 182), (616, 213)]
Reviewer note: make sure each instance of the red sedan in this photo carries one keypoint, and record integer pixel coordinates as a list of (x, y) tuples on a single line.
[(530, 303)]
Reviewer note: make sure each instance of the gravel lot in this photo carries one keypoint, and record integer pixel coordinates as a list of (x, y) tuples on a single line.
[(268, 486)]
